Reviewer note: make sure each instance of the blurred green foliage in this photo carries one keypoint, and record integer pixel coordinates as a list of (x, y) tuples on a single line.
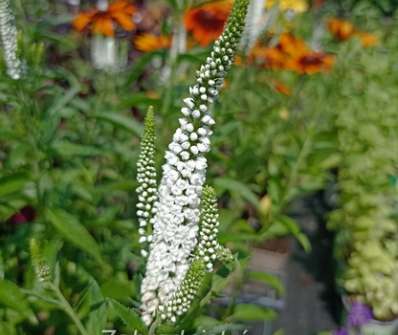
[(69, 141)]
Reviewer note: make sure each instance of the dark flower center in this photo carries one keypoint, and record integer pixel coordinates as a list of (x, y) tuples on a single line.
[(209, 20), (315, 60)]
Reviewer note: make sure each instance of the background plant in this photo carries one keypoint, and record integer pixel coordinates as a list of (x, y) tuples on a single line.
[(69, 141)]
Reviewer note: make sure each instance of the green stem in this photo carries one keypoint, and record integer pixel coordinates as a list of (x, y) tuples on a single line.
[(40, 296), (64, 304), (152, 329), (292, 179), (168, 93)]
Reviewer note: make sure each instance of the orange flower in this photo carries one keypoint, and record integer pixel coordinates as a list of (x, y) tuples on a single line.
[(275, 58), (318, 3), (287, 47), (367, 39), (341, 29), (312, 62), (207, 21), (344, 30), (150, 42), (292, 45), (103, 22), (292, 53)]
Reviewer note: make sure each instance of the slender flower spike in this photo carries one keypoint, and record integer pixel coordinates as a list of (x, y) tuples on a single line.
[(208, 247), (41, 268), (9, 41), (184, 173), (146, 178)]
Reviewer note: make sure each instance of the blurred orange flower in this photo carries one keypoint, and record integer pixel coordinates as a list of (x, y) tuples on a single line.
[(292, 53), (281, 88), (103, 21), (291, 45), (344, 30), (207, 21), (150, 42), (312, 62), (341, 29), (367, 39)]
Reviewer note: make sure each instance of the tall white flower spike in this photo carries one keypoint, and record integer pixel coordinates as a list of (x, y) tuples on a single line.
[(8, 34), (177, 210)]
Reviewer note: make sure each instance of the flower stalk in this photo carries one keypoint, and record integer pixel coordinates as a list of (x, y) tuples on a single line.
[(43, 275)]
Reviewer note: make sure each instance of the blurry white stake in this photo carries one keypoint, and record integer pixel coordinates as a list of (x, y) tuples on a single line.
[(102, 5), (254, 23)]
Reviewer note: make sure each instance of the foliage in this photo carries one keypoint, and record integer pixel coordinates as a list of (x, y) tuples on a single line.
[(69, 143), (366, 218)]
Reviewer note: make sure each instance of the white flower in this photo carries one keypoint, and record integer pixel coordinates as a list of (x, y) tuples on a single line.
[(170, 273), (9, 40)]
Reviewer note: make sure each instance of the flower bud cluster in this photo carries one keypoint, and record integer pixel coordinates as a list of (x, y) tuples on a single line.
[(186, 293), (9, 41), (177, 209), (208, 250), (146, 178), (41, 268), (208, 246)]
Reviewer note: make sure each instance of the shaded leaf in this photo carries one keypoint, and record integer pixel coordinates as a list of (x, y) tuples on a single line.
[(65, 148), (121, 121), (129, 317), (251, 312), (12, 297), (268, 279), (12, 184), (68, 226), (236, 187)]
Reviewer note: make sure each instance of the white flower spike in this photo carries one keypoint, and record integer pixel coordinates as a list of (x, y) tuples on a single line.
[(177, 210)]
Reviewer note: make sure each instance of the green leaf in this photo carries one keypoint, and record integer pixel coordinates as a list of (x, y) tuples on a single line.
[(68, 226), (12, 184), (139, 99), (12, 297), (204, 321), (65, 148), (251, 312), (116, 289), (129, 317), (236, 187), (268, 279), (93, 306), (138, 67), (89, 296), (121, 121), (60, 101), (294, 229)]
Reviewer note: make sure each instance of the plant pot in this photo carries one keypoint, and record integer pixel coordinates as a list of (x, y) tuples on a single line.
[(108, 53), (380, 328), (373, 327), (270, 257)]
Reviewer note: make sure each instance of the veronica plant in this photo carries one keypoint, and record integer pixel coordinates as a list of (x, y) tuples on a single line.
[(8, 33), (183, 245), (366, 219)]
